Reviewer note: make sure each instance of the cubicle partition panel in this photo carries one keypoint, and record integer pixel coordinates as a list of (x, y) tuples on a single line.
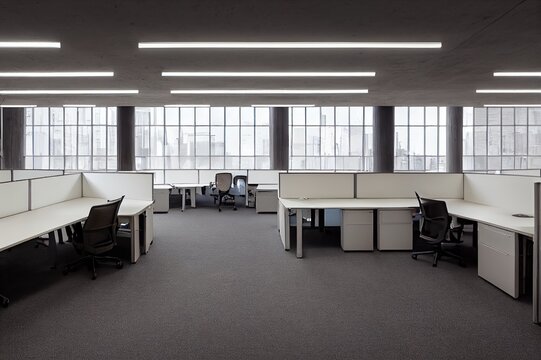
[(5, 176), (134, 186), (55, 189), (317, 186), (14, 198), (404, 186), (207, 176), (35, 174), (512, 192), (181, 177), (263, 177), (523, 172)]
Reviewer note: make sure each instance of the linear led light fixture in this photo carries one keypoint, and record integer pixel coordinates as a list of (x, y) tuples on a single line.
[(290, 45), (58, 74), (29, 44), (518, 73), (68, 92), (269, 91), (268, 74), (18, 106), (78, 106), (514, 105), (509, 91), (186, 105), (283, 105)]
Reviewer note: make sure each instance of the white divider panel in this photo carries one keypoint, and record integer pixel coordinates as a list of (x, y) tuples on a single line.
[(5, 176), (524, 172), (512, 192), (55, 189), (14, 198), (404, 186), (317, 186), (134, 186), (207, 176), (263, 177), (181, 176), (35, 174)]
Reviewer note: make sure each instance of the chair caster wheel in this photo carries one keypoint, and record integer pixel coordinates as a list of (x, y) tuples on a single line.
[(234, 209), (414, 257), (94, 276), (219, 210), (5, 303), (119, 265), (434, 265)]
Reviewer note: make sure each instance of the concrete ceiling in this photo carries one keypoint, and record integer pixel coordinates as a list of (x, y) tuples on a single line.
[(479, 37)]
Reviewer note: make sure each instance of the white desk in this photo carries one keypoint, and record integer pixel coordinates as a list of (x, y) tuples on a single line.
[(192, 187), (22, 227)]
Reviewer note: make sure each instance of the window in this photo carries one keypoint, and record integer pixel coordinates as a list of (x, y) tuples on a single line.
[(201, 138), (330, 138), (501, 138), (71, 138), (420, 139)]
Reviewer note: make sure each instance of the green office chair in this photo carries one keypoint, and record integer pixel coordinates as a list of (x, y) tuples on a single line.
[(436, 231), (97, 236)]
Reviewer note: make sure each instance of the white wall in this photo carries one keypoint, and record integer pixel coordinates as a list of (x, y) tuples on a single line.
[(134, 186), (14, 197), (54, 189), (316, 186), (181, 176), (263, 177)]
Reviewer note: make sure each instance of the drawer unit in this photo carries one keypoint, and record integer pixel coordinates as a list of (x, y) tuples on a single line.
[(357, 230), (498, 258), (394, 230), (266, 201), (161, 199)]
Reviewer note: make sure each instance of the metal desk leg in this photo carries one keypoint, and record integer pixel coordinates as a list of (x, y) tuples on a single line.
[(312, 218), (135, 250), (321, 221), (183, 193), (299, 232), (52, 249), (192, 196)]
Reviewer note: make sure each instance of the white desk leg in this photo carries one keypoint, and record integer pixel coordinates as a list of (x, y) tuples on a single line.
[(149, 228), (298, 213), (286, 229), (183, 191), (135, 251), (192, 196)]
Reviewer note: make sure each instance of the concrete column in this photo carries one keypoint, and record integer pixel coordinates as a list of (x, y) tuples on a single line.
[(279, 138), (126, 138), (454, 139), (384, 139), (13, 138)]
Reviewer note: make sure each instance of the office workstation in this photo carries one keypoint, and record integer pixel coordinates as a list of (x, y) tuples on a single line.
[(272, 180)]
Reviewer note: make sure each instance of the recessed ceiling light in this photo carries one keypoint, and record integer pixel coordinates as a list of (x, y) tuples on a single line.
[(514, 105), (283, 105), (79, 106), (67, 92), (518, 73), (18, 106), (58, 74), (29, 44), (290, 45), (270, 91), (268, 74), (186, 105), (509, 91)]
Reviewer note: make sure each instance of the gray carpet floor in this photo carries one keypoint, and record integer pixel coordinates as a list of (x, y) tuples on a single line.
[(220, 286)]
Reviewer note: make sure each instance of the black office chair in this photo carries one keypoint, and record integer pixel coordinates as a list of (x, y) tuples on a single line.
[(97, 236), (222, 187), (436, 231)]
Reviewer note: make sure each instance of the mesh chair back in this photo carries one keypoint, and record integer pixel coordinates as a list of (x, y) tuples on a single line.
[(100, 227), (435, 220), (223, 181)]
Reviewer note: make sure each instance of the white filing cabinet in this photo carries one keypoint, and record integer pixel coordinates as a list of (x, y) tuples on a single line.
[(266, 199), (498, 258), (395, 230), (357, 230), (161, 198)]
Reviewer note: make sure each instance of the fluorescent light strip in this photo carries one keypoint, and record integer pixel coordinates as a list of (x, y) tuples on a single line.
[(518, 73), (67, 92), (78, 106), (509, 91), (58, 74), (267, 74), (514, 105), (269, 92), (18, 106), (29, 44), (186, 105), (290, 45), (283, 105)]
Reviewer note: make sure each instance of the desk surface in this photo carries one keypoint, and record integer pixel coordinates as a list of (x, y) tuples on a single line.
[(267, 187), (22, 227), (194, 185), (163, 187)]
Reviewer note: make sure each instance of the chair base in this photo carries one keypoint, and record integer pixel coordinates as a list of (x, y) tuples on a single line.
[(91, 261), (4, 301), (438, 253)]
